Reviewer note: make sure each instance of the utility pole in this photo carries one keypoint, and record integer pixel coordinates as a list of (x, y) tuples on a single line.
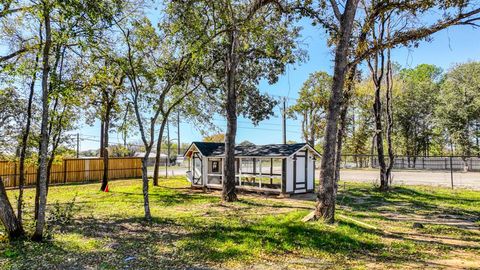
[(78, 144), (178, 133), (284, 120)]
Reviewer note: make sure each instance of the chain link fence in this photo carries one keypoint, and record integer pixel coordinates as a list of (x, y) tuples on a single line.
[(446, 163)]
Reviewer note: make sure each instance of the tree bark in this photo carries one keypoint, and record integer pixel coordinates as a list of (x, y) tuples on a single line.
[(389, 111), (146, 201), (377, 112), (325, 206), (343, 122), (12, 225), (106, 126), (229, 191), (40, 222), (159, 149), (102, 137)]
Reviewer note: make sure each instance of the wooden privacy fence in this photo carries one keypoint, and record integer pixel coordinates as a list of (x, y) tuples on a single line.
[(73, 170)]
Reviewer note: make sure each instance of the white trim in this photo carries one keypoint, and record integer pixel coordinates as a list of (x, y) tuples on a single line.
[(309, 148), (196, 149)]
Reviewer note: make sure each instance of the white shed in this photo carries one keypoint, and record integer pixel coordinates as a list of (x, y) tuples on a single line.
[(275, 168)]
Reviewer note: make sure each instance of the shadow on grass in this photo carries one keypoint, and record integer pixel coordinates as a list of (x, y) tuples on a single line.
[(407, 200), (168, 197), (102, 244)]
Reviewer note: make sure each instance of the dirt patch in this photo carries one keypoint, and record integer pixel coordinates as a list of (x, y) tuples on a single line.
[(458, 259)]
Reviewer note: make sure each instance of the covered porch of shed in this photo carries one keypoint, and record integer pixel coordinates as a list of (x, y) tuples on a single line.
[(251, 173)]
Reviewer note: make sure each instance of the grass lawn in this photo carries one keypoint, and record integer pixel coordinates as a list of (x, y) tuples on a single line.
[(194, 230)]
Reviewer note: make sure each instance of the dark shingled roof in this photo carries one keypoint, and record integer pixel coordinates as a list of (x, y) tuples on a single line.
[(269, 150)]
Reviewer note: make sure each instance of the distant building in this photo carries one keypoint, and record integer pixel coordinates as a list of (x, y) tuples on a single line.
[(151, 158)]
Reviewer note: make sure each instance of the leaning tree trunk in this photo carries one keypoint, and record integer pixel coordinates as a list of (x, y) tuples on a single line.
[(159, 149), (40, 222), (12, 224), (325, 207), (343, 123), (23, 150), (229, 192)]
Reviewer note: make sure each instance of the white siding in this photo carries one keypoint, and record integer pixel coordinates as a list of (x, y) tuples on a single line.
[(311, 171), (204, 170), (300, 176), (289, 187)]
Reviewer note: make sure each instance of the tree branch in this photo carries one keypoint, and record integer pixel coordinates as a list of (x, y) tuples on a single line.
[(415, 34), (336, 11)]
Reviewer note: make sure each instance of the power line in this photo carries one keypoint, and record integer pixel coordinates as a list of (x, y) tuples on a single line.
[(247, 122)]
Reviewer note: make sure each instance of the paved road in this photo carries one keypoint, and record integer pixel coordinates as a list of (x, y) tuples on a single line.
[(404, 177), (433, 178)]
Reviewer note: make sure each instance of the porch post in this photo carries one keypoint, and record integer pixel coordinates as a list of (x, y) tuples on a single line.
[(271, 171), (239, 171), (223, 173), (260, 167)]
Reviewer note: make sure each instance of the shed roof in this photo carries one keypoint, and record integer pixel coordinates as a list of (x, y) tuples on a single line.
[(211, 149)]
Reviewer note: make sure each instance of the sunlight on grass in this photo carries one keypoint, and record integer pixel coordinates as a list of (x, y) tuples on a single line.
[(78, 242), (193, 228)]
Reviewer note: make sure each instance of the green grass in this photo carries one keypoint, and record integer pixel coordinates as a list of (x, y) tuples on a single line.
[(192, 229)]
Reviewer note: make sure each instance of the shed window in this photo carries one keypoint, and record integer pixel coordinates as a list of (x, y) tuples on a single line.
[(215, 167)]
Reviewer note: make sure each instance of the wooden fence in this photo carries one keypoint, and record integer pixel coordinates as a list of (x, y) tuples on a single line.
[(73, 170)]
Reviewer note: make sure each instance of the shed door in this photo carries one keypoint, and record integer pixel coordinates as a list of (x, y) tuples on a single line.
[(300, 183), (197, 169)]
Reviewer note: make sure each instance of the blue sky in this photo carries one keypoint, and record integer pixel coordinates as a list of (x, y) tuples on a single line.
[(455, 45)]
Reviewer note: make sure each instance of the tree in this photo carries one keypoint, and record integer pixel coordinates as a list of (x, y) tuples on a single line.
[(219, 137), (107, 87), (458, 110), (415, 108), (155, 75), (248, 41), (312, 105), (246, 143), (7, 216), (10, 109), (380, 67), (42, 180), (83, 20), (340, 25)]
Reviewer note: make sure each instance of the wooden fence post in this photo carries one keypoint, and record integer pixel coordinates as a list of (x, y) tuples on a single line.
[(65, 171), (15, 174)]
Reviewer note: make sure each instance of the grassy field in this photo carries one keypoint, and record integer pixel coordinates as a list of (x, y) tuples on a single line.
[(194, 230)]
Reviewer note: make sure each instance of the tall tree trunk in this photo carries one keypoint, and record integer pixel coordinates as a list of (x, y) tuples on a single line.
[(312, 134), (340, 134), (389, 111), (24, 143), (377, 111), (325, 207), (40, 222), (159, 149), (146, 201), (102, 137), (343, 122), (229, 191), (12, 225), (106, 126)]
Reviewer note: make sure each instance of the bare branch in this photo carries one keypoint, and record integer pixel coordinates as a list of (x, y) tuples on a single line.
[(415, 34), (336, 11)]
